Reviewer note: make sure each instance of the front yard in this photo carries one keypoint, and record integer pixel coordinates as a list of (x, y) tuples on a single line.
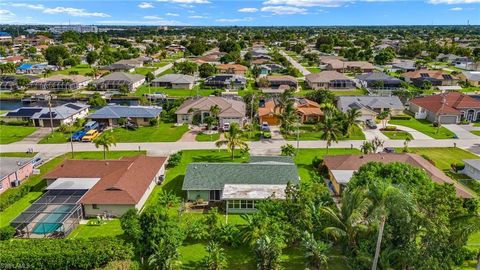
[(164, 132), (144, 89), (309, 132), (425, 127), (202, 137), (11, 133), (55, 137), (397, 135)]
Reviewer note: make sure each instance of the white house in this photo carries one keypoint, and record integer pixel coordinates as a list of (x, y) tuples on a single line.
[(472, 168)]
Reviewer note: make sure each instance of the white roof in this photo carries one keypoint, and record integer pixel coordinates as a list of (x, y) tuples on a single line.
[(449, 88), (232, 192), (73, 183), (342, 176), (475, 163)]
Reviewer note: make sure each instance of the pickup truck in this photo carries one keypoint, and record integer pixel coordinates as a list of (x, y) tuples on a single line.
[(77, 136)]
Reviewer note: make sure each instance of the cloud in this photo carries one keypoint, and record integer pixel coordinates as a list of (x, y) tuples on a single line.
[(284, 10), (186, 1), (145, 5), (150, 22), (152, 17), (197, 17), (456, 9), (172, 14), (453, 2), (5, 12), (248, 10), (30, 6), (76, 12), (307, 3), (224, 20)]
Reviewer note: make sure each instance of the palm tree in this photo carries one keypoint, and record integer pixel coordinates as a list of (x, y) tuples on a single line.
[(366, 147), (165, 256), (351, 120), (214, 111), (315, 251), (330, 131), (215, 259), (233, 140), (105, 140), (268, 250), (46, 72), (349, 220), (94, 72), (283, 101), (329, 110)]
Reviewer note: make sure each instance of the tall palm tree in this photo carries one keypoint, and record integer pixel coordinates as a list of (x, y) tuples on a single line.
[(106, 140), (330, 130), (329, 110), (348, 221), (315, 251), (285, 99), (214, 111), (233, 140), (351, 120)]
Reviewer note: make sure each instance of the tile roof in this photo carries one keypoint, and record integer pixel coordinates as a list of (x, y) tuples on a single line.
[(326, 76), (447, 103), (377, 76), (274, 78), (370, 102), (121, 76), (354, 162), (175, 78), (121, 181), (236, 67), (228, 107), (118, 111), (61, 77), (435, 74)]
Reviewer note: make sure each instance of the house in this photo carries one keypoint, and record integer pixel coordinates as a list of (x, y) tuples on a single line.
[(329, 80), (342, 167), (266, 69), (403, 65), (174, 81), (470, 77), (232, 69), (41, 117), (61, 82), (175, 48), (435, 77), (446, 57), (465, 63), (472, 168), (240, 185), (227, 81), (5, 37), (13, 59), (347, 66), (141, 115), (307, 110), (13, 171), (197, 109), (118, 67), (280, 83), (113, 186), (114, 81), (26, 68), (379, 80), (446, 108), (370, 106), (10, 83), (130, 62)]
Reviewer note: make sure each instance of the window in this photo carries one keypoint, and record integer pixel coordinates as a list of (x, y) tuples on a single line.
[(146, 119), (185, 117), (214, 195), (94, 206)]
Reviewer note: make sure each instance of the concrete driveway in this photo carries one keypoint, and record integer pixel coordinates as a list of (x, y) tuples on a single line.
[(417, 135), (35, 137), (370, 134), (461, 131)]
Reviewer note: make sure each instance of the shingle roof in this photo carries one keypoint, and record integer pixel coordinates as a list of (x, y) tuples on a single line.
[(473, 162), (175, 78), (213, 176), (370, 102), (60, 112), (117, 111), (326, 76), (377, 76), (122, 181), (121, 76), (228, 107), (430, 74), (11, 164)]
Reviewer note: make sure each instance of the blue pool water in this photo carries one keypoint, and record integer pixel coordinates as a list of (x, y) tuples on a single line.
[(51, 222)]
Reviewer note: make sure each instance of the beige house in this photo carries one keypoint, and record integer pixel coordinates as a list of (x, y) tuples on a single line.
[(231, 110), (329, 79)]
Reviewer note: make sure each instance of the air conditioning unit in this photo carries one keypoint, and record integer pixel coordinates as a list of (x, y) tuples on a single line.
[(160, 179), (15, 183)]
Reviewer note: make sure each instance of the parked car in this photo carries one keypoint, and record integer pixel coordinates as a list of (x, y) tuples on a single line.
[(226, 126), (90, 125), (266, 133), (77, 136), (90, 135), (371, 124), (265, 125), (37, 162), (389, 150), (131, 125)]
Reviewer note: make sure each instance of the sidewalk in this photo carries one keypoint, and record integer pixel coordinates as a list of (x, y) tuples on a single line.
[(417, 135), (461, 131)]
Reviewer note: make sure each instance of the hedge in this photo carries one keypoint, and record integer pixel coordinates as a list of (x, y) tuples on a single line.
[(401, 117), (64, 253)]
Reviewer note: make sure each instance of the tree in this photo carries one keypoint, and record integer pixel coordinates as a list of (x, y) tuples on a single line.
[(92, 57), (210, 121), (149, 77), (46, 72), (207, 70), (366, 147), (288, 150), (96, 100), (268, 251), (165, 256), (185, 67), (385, 56), (329, 110), (123, 89), (315, 252), (376, 143), (233, 140), (106, 140), (56, 55), (215, 259), (23, 81), (330, 131), (351, 120), (130, 223), (214, 111)]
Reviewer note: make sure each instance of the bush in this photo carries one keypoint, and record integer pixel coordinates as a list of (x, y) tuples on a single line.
[(316, 162), (7, 233), (153, 122), (64, 253), (457, 166), (390, 128), (12, 195), (401, 117), (174, 159)]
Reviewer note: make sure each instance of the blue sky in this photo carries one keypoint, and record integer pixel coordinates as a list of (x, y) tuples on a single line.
[(232, 12)]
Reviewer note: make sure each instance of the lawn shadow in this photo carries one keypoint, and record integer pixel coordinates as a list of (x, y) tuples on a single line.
[(175, 186)]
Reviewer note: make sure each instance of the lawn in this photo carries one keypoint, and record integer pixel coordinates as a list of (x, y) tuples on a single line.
[(476, 124), (110, 228), (164, 132), (425, 127), (314, 69), (476, 132), (10, 133), (354, 92), (144, 89), (201, 137), (144, 70), (308, 132), (159, 64), (444, 157), (82, 69), (18, 154), (397, 135), (14, 210), (55, 137)]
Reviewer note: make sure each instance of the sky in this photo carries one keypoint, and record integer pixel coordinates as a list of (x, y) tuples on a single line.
[(242, 13)]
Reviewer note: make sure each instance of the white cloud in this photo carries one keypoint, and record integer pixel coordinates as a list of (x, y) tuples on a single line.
[(172, 14), (248, 10), (307, 3), (456, 9), (31, 6), (76, 12), (453, 2), (145, 5), (150, 22), (224, 20), (152, 17), (197, 17), (5, 12), (186, 1), (284, 10)]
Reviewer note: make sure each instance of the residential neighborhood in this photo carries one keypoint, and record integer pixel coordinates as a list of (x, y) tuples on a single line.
[(132, 146)]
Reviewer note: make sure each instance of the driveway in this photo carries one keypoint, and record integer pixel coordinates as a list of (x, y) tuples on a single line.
[(297, 65), (370, 134), (417, 135), (35, 137), (461, 131)]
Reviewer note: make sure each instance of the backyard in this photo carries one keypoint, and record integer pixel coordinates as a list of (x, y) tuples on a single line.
[(163, 132), (82, 69), (144, 89), (424, 127), (14, 133)]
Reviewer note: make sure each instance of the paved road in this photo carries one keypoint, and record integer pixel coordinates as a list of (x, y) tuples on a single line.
[(167, 66), (297, 65), (461, 132)]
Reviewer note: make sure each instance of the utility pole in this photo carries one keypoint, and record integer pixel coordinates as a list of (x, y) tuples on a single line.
[(50, 110), (71, 141)]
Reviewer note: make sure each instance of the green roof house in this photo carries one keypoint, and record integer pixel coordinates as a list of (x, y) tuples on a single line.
[(240, 184)]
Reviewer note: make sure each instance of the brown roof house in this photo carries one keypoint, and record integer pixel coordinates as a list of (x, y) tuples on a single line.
[(307, 110), (232, 69), (435, 77), (195, 110), (277, 84), (114, 186), (342, 167), (61, 82), (348, 66), (329, 79), (447, 108)]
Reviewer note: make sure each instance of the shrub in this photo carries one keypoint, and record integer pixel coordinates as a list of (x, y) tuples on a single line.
[(390, 128), (153, 122), (174, 159), (12, 195), (316, 162), (401, 117), (457, 166), (64, 253), (7, 232)]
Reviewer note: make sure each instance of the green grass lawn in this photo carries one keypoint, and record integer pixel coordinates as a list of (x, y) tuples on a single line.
[(144, 70), (476, 124), (476, 132), (10, 133), (18, 154), (55, 137), (14, 210), (164, 132), (444, 157), (110, 228), (159, 64), (82, 69), (425, 127), (254, 135), (309, 132), (201, 137), (355, 92), (144, 89), (397, 135), (314, 69)]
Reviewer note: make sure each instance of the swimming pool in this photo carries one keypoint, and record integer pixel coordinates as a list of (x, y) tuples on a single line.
[(52, 221)]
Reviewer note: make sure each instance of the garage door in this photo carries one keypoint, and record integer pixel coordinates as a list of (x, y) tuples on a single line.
[(270, 119), (46, 123), (448, 119)]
